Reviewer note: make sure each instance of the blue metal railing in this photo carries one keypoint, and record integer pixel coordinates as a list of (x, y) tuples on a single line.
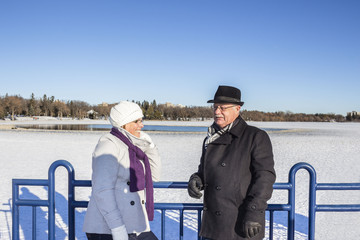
[(73, 204)]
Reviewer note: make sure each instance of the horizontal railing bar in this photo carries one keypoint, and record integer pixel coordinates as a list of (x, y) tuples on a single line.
[(282, 186), (30, 182), (279, 207), (164, 184), (338, 208), (170, 184), (82, 183), (178, 206), (80, 204), (27, 202), (188, 206), (338, 186)]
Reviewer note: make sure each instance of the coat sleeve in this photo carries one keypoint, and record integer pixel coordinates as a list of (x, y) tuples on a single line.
[(263, 177), (105, 172), (155, 163), (200, 172), (154, 158)]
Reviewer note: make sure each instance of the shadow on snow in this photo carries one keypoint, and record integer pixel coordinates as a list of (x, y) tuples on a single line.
[(172, 219)]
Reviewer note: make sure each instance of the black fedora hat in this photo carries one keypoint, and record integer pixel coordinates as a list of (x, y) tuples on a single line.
[(227, 94)]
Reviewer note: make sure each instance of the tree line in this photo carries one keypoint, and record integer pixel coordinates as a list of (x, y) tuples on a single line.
[(12, 106)]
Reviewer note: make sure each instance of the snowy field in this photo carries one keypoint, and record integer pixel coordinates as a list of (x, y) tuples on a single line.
[(331, 148)]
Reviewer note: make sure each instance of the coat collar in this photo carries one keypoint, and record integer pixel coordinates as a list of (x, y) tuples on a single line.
[(239, 128), (143, 142), (235, 131)]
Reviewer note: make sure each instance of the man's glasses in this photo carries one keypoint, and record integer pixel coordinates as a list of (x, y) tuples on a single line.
[(222, 108)]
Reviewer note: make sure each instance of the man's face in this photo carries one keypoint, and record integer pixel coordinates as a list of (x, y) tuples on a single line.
[(225, 113)]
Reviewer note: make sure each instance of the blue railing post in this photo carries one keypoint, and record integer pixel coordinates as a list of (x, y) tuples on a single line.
[(15, 211), (312, 199), (51, 197)]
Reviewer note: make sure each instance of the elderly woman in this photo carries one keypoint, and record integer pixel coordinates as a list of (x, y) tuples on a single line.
[(125, 162)]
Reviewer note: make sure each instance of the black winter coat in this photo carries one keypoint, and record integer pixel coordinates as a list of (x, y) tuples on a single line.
[(237, 171)]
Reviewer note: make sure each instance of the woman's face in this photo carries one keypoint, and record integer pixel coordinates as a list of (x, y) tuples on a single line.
[(134, 127)]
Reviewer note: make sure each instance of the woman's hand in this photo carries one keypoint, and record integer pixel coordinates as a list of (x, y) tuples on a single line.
[(119, 233)]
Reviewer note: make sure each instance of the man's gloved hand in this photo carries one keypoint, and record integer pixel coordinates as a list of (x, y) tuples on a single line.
[(194, 186), (120, 233), (251, 229)]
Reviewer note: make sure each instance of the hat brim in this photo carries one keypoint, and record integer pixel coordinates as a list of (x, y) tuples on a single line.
[(226, 101)]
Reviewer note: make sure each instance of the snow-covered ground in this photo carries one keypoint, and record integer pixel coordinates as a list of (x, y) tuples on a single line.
[(331, 148)]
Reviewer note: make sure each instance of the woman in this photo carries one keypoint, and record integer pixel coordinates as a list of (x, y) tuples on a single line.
[(125, 162)]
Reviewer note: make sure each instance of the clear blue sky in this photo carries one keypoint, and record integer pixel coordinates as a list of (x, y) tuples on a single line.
[(299, 56)]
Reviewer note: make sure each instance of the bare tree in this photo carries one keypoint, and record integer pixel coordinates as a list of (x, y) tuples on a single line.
[(78, 109), (2, 108), (14, 105), (103, 110), (60, 109)]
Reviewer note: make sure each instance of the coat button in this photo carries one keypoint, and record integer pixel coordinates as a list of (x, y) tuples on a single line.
[(205, 208), (128, 183), (253, 207), (218, 188), (218, 213), (132, 203), (142, 201), (223, 164)]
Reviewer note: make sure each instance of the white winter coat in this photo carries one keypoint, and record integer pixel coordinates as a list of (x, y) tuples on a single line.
[(112, 204)]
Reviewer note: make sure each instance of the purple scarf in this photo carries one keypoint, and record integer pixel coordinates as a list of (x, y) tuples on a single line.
[(139, 181)]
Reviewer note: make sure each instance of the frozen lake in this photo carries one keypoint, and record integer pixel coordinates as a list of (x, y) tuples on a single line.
[(107, 127), (331, 148)]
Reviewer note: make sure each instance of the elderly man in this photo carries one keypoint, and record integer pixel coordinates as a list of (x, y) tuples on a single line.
[(236, 172)]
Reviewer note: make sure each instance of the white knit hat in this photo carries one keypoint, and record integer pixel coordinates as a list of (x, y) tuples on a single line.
[(124, 112)]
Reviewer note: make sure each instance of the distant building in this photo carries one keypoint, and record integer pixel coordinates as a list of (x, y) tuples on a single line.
[(180, 105), (167, 104), (103, 104), (353, 113), (92, 114)]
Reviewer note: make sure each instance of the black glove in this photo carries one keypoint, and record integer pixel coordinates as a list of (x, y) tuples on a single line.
[(251, 229), (194, 186)]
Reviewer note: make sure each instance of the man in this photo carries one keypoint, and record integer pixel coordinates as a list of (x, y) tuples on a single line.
[(236, 172)]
